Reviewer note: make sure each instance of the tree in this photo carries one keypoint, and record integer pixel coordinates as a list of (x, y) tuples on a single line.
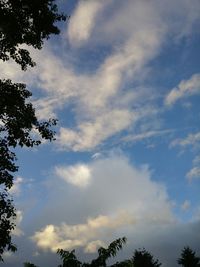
[(22, 22), (69, 258), (7, 215), (26, 22), (29, 264), (188, 258), (143, 258), (106, 253), (125, 263)]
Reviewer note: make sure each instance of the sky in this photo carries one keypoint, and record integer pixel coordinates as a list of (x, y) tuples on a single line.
[(123, 79)]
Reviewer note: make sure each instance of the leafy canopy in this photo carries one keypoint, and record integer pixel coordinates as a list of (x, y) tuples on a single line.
[(23, 23), (143, 258), (188, 258)]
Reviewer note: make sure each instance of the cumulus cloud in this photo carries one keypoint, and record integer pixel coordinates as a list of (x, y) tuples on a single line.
[(185, 88), (93, 246), (78, 175), (72, 236), (120, 198)]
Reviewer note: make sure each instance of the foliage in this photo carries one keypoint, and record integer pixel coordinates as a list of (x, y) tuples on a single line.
[(143, 258), (22, 22), (18, 121), (28, 264), (105, 254), (7, 215), (188, 258), (125, 263), (69, 258), (26, 22)]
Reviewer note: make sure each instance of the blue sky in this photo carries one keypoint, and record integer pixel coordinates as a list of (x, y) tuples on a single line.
[(123, 78)]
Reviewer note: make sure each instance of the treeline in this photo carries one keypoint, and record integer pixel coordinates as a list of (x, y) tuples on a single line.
[(140, 258)]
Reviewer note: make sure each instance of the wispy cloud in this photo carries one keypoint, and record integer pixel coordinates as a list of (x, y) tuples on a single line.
[(17, 230), (146, 135), (191, 140), (16, 188), (194, 173), (184, 89), (102, 101), (82, 21)]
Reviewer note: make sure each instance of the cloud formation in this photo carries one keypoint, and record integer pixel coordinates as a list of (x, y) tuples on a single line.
[(78, 175), (104, 100), (16, 188), (184, 89), (71, 236), (191, 140), (82, 21), (186, 205), (119, 198)]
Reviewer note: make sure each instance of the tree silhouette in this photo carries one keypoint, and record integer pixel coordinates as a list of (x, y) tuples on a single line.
[(7, 215), (188, 258), (22, 22), (26, 22), (70, 260), (143, 258), (125, 263), (106, 253), (28, 264)]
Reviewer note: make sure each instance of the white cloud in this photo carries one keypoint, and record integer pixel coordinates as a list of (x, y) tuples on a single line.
[(91, 134), (78, 175), (100, 107), (16, 188), (193, 173), (17, 231), (186, 205), (119, 199), (70, 236), (93, 246), (103, 100), (190, 140), (185, 88), (82, 21), (146, 135)]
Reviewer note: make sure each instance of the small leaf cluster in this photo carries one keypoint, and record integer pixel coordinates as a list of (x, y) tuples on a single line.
[(25, 22)]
